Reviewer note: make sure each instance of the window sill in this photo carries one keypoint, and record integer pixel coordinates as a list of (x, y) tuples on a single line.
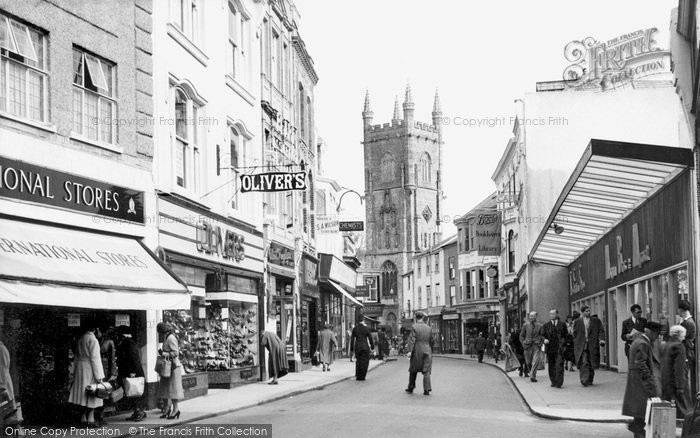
[(187, 44), (40, 125), (85, 140), (240, 90)]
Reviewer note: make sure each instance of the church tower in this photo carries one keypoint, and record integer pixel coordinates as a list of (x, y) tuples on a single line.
[(402, 196)]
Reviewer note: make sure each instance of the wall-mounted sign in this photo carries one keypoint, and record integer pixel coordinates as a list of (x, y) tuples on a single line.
[(488, 233), (450, 316), (73, 320), (122, 319), (362, 290), (352, 226), (492, 272), (273, 182), (280, 255), (20, 180), (326, 223), (211, 239), (639, 257)]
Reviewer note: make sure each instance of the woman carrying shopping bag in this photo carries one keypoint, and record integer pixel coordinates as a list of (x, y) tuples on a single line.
[(130, 372), (170, 383)]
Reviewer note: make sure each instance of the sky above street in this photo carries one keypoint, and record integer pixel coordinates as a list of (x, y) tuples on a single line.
[(481, 56)]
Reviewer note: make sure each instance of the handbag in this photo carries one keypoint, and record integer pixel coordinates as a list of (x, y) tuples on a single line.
[(540, 360), (134, 386), (163, 367), (116, 395), (99, 390)]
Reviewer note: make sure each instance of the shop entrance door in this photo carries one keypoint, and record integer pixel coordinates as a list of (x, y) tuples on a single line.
[(284, 322), (613, 336)]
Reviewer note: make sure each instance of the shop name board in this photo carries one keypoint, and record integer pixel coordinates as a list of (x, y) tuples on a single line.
[(280, 255), (310, 272), (362, 290), (326, 223), (351, 226), (211, 239), (373, 309), (449, 317), (343, 274), (639, 256), (27, 182), (273, 182), (488, 234)]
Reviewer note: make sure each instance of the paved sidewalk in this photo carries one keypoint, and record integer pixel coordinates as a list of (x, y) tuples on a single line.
[(221, 401), (601, 402)]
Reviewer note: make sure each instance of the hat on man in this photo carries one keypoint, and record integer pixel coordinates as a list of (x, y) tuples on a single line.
[(420, 314), (653, 326)]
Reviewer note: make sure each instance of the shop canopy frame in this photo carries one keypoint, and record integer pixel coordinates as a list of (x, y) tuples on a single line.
[(610, 181), (345, 293)]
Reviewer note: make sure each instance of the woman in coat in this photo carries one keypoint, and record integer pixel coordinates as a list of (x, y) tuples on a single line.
[(129, 365), (383, 344), (87, 370), (277, 365), (518, 349), (326, 344), (641, 384), (674, 371), (170, 388)]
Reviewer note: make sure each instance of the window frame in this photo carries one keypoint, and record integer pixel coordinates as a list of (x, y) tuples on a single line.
[(105, 94), (192, 144)]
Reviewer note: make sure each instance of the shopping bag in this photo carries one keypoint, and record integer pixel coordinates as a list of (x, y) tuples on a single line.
[(163, 367), (660, 419), (512, 363), (116, 395), (134, 386), (540, 358), (99, 390)]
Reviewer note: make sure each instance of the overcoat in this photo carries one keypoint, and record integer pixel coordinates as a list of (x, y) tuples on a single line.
[(326, 344), (641, 383), (5, 378), (531, 334), (480, 343), (277, 365), (420, 343), (596, 333), (627, 326), (556, 336), (129, 359), (171, 387), (87, 369), (674, 377)]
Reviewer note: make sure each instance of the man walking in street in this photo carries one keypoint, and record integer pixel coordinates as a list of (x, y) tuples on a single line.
[(589, 336), (632, 327), (420, 352), (532, 339), (554, 336), (361, 343), (480, 346), (641, 382), (688, 323)]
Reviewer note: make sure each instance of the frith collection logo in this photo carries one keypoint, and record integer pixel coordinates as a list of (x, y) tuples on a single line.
[(616, 62)]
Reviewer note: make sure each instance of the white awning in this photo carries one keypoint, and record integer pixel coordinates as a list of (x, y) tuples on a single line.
[(57, 266), (610, 181), (345, 293)]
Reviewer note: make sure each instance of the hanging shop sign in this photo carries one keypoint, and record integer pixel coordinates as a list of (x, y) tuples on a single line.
[(362, 290), (488, 233), (326, 223), (211, 239), (639, 256), (73, 320), (122, 319), (280, 255), (352, 226), (450, 316), (273, 182), (27, 182)]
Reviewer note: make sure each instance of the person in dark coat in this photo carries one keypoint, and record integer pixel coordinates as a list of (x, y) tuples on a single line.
[(517, 347), (277, 363), (631, 326), (641, 384), (674, 372), (129, 365), (554, 336), (569, 344), (420, 347), (361, 343), (480, 346), (688, 324), (383, 344), (497, 345), (589, 336)]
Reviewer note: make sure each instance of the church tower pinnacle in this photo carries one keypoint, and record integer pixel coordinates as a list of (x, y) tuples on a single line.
[(397, 115), (367, 113), (408, 106)]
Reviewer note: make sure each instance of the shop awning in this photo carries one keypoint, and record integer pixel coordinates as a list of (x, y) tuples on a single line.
[(345, 293), (55, 266), (610, 181)]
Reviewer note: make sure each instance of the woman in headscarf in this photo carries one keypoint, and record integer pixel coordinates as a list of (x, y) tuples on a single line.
[(277, 364), (87, 371), (170, 388), (674, 371), (326, 344), (129, 366)]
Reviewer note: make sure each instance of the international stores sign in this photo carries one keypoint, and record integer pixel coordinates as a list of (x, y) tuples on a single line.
[(273, 182), (27, 182)]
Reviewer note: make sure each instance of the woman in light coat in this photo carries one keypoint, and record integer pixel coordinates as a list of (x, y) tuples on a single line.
[(170, 388), (326, 344), (87, 370), (674, 372)]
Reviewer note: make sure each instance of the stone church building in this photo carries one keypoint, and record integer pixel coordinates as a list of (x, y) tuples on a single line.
[(402, 202)]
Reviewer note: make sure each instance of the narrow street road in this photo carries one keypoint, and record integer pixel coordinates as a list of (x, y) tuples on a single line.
[(468, 400)]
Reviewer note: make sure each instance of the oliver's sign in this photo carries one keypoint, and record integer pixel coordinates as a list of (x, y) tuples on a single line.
[(273, 182)]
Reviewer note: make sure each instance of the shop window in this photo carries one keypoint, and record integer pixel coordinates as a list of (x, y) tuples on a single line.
[(23, 70)]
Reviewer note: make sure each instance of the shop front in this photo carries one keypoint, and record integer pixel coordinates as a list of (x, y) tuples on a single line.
[(452, 333), (644, 252), (337, 281), (281, 283), (220, 260), (310, 302)]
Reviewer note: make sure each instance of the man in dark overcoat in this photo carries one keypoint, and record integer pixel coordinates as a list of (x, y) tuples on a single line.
[(361, 343), (634, 322), (589, 336), (641, 382), (554, 335), (420, 347)]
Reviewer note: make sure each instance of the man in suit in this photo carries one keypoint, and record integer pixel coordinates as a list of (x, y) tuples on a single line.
[(554, 336), (589, 336), (641, 381), (532, 339), (420, 347), (361, 343), (480, 346), (634, 322), (688, 323)]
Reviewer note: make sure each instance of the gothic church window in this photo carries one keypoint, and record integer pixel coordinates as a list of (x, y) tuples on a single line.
[(388, 167), (425, 167), (389, 278)]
